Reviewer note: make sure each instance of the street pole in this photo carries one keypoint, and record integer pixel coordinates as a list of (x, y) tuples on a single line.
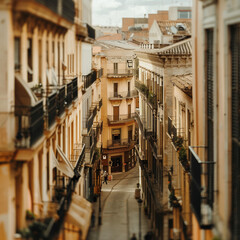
[(99, 207), (140, 230)]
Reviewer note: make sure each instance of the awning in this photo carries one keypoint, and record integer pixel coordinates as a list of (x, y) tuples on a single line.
[(23, 94), (61, 165), (64, 157), (79, 214)]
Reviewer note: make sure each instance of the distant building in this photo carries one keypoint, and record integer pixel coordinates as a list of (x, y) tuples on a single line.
[(177, 13), (169, 32), (119, 104), (159, 16)]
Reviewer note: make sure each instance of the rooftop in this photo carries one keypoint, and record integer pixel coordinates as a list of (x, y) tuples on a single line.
[(179, 27)]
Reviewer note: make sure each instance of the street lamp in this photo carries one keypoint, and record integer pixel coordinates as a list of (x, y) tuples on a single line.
[(140, 231)]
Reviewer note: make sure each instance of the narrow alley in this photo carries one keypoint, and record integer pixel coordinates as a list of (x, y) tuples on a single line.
[(120, 209)]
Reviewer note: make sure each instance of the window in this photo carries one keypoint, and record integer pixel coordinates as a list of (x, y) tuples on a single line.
[(115, 67), (129, 90), (53, 54), (210, 110), (184, 14), (17, 56), (115, 89), (129, 63), (116, 135), (235, 65), (129, 111)]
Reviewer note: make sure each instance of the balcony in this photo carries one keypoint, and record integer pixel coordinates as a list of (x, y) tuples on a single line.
[(64, 200), (151, 97), (56, 11), (89, 79), (30, 124), (201, 185), (99, 104), (99, 73), (172, 131), (74, 89), (91, 32), (51, 109), (121, 143), (91, 115), (60, 101), (122, 95), (119, 73), (116, 119)]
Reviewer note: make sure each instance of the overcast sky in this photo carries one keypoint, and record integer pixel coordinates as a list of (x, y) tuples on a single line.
[(111, 12)]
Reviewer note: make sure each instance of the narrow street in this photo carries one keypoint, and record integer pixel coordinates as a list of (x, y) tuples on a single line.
[(120, 209)]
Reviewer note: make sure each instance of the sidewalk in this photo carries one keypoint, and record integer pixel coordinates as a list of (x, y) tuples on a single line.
[(120, 209)]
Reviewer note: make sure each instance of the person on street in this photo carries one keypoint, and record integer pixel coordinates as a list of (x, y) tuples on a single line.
[(133, 237), (105, 175)]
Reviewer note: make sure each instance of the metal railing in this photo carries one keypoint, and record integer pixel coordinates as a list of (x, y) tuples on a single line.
[(60, 101), (172, 130), (122, 117), (30, 123), (75, 88), (120, 143), (119, 73), (65, 8), (51, 109), (89, 79), (151, 97), (126, 94), (69, 95), (100, 104), (201, 185), (91, 31)]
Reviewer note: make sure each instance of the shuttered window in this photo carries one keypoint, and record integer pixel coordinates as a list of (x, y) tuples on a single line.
[(235, 69), (210, 112)]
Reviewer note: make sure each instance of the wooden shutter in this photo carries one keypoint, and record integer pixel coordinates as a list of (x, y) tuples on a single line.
[(210, 112), (235, 60)]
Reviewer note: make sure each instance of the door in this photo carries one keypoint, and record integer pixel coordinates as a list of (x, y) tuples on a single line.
[(129, 90), (129, 111), (116, 113), (115, 89), (116, 164)]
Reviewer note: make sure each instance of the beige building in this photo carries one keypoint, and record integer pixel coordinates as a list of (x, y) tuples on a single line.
[(215, 157), (44, 159), (119, 104), (155, 152)]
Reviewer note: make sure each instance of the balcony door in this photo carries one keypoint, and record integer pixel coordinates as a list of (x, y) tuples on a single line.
[(116, 136), (129, 89), (129, 111), (115, 113), (116, 164), (115, 89), (115, 67)]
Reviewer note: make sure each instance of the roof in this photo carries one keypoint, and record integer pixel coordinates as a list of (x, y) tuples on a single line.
[(118, 44), (180, 48), (171, 27), (184, 82)]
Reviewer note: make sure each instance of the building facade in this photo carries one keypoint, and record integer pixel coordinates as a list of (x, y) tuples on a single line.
[(44, 158), (215, 157)]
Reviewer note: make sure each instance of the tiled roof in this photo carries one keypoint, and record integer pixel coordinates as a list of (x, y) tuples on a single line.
[(168, 27), (179, 48), (184, 82)]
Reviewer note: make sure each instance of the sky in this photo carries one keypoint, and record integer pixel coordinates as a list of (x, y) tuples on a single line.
[(111, 12)]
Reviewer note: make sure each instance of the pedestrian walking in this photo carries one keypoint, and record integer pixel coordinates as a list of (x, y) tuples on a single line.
[(105, 175), (133, 237)]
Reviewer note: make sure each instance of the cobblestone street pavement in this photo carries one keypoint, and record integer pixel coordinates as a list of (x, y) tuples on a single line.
[(120, 209)]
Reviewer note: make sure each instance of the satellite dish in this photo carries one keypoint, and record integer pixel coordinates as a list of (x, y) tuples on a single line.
[(174, 29)]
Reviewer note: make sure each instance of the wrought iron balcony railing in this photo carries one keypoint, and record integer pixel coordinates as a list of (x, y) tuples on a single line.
[(63, 8), (100, 104), (51, 109), (120, 143), (60, 100), (75, 88), (201, 186), (119, 118), (119, 73), (30, 124), (172, 130), (91, 31), (89, 79), (121, 95), (151, 97), (55, 224)]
